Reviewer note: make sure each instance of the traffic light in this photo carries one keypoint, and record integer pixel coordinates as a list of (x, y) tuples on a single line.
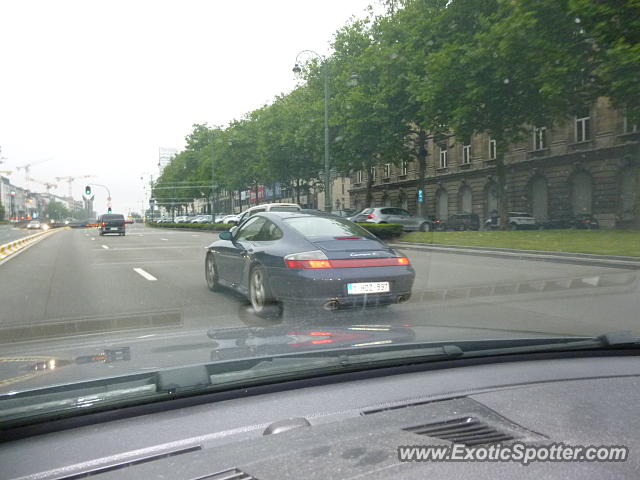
[(109, 210), (87, 190)]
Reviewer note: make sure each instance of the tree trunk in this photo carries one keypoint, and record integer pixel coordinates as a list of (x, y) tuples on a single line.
[(369, 195), (501, 177), (298, 191), (421, 154), (635, 223)]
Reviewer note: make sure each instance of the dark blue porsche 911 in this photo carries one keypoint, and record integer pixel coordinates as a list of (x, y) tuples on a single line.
[(285, 258)]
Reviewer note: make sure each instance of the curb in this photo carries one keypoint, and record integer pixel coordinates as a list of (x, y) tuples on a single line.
[(11, 248), (632, 263)]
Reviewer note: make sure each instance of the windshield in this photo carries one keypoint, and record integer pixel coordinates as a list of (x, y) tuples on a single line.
[(179, 182)]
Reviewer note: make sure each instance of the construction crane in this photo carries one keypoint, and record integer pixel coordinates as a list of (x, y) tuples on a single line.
[(27, 169), (47, 185), (69, 179)]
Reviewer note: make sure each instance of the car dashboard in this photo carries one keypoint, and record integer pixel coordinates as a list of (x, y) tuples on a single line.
[(351, 427)]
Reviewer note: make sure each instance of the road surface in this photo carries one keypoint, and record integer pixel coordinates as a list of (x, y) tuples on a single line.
[(9, 233), (77, 282)]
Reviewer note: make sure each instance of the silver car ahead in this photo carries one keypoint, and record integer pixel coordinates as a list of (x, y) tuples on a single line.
[(395, 215)]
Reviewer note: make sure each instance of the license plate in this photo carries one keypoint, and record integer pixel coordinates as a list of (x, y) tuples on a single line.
[(113, 228), (368, 287)]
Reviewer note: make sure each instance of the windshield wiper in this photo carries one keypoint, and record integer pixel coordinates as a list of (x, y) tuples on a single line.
[(608, 341)]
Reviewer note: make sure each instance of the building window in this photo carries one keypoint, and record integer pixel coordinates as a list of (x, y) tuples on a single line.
[(404, 167), (386, 173), (493, 154), (373, 174), (539, 138), (444, 155), (628, 126), (583, 126), (466, 154), (359, 176), (342, 184)]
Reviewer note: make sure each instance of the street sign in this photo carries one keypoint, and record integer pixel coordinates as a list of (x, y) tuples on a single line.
[(420, 196), (152, 203)]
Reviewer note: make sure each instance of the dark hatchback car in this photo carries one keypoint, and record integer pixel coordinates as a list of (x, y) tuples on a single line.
[(582, 221), (111, 223), (463, 221), (318, 261)]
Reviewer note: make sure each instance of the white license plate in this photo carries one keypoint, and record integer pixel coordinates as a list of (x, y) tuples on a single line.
[(368, 287), (112, 228)]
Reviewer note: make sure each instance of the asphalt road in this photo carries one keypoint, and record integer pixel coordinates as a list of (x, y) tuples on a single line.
[(76, 282), (9, 233)]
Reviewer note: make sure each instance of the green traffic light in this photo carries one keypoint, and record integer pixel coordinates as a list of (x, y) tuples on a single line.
[(87, 190), (109, 210)]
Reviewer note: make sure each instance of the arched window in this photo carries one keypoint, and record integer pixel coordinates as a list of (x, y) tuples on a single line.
[(465, 199), (539, 199), (404, 201), (581, 193), (492, 201), (442, 204), (628, 194)]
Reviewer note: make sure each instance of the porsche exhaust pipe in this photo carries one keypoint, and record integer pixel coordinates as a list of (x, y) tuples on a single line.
[(403, 298), (331, 305)]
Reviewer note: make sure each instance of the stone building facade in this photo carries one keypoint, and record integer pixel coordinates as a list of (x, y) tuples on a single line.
[(589, 164)]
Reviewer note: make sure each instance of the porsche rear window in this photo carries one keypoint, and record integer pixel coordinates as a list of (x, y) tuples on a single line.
[(326, 227)]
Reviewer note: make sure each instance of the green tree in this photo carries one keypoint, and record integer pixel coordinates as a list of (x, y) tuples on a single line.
[(56, 211)]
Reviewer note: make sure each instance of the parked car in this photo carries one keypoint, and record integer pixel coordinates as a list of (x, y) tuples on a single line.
[(220, 217), (268, 207), (201, 219), (517, 221), (462, 221), (231, 219), (111, 223), (580, 221), (315, 211), (293, 257), (400, 216), (346, 213)]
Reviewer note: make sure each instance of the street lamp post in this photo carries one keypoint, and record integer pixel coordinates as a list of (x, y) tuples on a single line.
[(13, 204), (213, 180), (327, 173)]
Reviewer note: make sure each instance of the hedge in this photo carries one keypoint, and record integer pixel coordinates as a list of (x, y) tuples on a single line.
[(384, 231), (216, 227)]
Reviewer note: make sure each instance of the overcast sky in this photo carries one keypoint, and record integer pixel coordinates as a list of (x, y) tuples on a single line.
[(97, 87)]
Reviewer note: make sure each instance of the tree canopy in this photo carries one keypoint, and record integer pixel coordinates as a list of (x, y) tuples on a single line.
[(423, 69)]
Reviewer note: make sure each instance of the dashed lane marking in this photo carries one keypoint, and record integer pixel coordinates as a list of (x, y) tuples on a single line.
[(144, 274)]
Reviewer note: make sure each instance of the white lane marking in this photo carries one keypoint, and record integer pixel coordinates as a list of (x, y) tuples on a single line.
[(165, 239), (195, 235), (105, 247), (592, 281), (144, 274), (92, 238)]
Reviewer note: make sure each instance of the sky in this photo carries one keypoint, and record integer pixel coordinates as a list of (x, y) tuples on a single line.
[(98, 87)]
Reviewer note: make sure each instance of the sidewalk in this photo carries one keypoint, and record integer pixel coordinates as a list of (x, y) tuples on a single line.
[(615, 261)]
